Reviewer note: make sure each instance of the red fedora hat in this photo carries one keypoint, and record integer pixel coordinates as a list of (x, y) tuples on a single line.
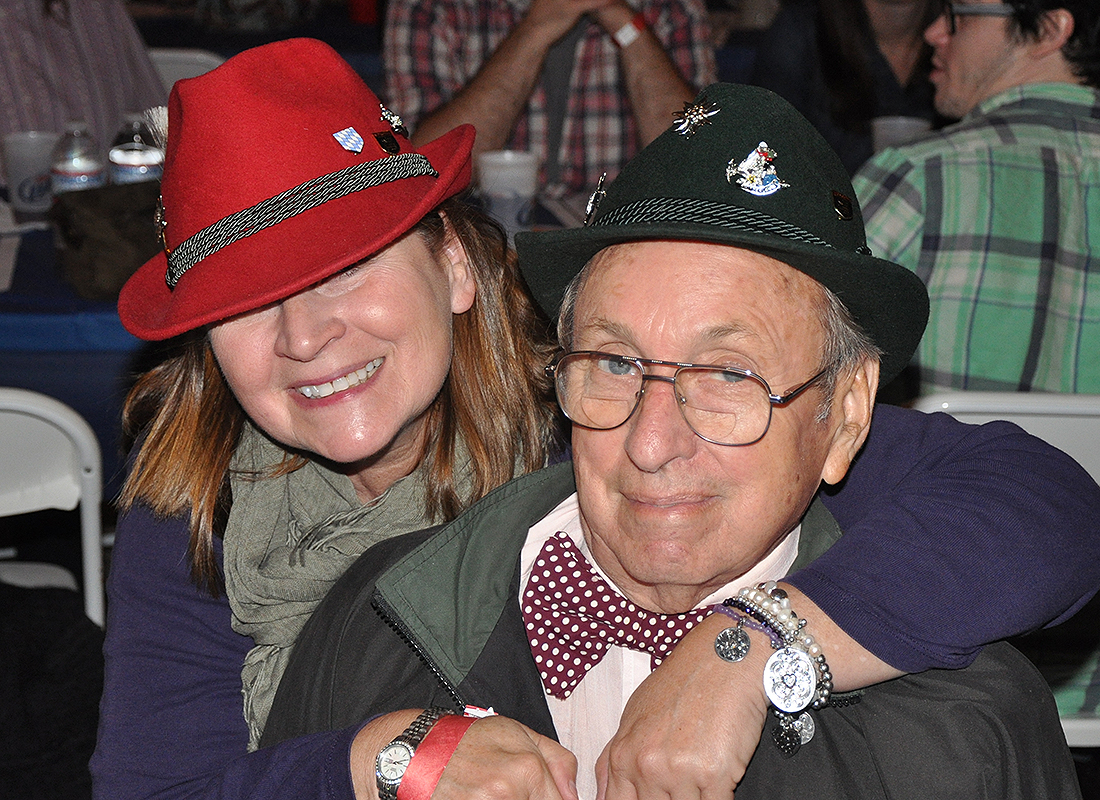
[(281, 169)]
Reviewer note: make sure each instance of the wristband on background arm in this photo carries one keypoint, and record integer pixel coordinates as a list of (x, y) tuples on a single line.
[(625, 36)]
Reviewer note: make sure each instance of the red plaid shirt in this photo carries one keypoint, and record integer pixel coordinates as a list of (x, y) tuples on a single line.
[(433, 49)]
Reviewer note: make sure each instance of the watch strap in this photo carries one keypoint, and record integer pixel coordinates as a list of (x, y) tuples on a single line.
[(419, 727), (412, 736)]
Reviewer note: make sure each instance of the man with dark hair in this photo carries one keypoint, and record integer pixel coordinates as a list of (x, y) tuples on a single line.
[(999, 214)]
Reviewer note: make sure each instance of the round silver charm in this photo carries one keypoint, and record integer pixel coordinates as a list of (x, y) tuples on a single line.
[(732, 644), (790, 679), (805, 727)]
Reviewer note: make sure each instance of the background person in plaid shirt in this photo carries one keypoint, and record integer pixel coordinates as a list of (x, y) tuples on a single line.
[(582, 83), (1000, 213)]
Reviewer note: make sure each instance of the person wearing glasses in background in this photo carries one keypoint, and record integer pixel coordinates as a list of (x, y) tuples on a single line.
[(724, 331), (842, 63), (999, 214)]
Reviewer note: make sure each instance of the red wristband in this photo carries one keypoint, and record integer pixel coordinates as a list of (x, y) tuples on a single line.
[(431, 757)]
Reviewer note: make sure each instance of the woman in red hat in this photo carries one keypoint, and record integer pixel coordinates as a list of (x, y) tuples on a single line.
[(356, 355), (356, 358)]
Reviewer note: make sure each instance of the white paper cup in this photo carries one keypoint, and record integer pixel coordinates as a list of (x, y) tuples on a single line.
[(27, 168), (893, 131), (508, 182)]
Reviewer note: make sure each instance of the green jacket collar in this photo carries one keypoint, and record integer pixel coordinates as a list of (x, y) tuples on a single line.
[(450, 591)]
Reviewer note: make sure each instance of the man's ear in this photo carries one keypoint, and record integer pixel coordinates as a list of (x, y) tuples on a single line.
[(1055, 28), (853, 401), (460, 274)]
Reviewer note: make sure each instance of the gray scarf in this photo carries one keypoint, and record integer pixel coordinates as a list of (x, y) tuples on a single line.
[(287, 541)]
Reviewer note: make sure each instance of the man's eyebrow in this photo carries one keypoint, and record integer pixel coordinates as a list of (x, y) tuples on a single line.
[(730, 330), (603, 325), (715, 334)]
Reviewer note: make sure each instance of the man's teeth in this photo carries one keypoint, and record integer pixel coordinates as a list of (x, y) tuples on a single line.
[(343, 383)]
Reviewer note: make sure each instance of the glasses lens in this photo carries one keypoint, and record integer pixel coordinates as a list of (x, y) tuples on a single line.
[(723, 406), (597, 390)]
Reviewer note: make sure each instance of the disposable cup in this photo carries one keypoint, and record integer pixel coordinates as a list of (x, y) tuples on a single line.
[(27, 169), (508, 183), (894, 131)]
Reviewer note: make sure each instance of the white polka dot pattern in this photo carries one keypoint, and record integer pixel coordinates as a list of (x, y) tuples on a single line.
[(572, 616)]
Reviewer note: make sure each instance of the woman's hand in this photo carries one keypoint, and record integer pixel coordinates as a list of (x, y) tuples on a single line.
[(497, 759), (501, 759), (690, 728)]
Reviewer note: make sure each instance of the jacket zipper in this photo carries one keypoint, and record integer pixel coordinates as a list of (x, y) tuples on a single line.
[(386, 612)]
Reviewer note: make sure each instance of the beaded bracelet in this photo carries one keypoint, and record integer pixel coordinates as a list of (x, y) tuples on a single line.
[(770, 605), (728, 607)]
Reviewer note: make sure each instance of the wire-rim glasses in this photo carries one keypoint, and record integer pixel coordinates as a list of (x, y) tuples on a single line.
[(955, 10), (722, 405)]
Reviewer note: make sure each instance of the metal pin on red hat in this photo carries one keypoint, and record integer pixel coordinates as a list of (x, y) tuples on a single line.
[(349, 139), (394, 121)]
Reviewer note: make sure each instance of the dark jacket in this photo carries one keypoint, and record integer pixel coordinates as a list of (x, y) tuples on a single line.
[(432, 618)]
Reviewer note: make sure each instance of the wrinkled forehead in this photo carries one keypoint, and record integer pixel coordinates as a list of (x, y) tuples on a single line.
[(690, 283)]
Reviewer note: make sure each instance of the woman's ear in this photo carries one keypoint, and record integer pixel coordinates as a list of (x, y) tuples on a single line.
[(460, 274), (854, 401)]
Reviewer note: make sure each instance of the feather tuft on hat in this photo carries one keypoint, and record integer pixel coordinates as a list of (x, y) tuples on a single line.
[(157, 120)]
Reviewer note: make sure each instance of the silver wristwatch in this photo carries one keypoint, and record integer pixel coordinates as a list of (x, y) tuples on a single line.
[(394, 758)]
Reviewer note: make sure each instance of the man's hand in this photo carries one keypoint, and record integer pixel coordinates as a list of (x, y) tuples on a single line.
[(552, 19), (690, 728), (497, 95), (497, 759)]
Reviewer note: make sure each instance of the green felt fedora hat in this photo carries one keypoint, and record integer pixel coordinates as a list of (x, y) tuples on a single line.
[(740, 166)]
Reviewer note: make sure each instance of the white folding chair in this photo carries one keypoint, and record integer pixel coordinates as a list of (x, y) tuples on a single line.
[(1070, 422), (176, 63), (49, 458)]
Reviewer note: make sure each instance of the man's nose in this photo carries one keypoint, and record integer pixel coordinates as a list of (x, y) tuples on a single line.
[(658, 431), (307, 323), (939, 31)]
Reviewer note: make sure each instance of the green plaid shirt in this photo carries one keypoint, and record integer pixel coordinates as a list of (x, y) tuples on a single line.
[(999, 215)]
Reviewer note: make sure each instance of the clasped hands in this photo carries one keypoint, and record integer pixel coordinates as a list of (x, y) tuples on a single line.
[(554, 18), (671, 744)]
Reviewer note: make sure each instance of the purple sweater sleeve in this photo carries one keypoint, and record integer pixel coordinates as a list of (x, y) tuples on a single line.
[(171, 724), (955, 536)]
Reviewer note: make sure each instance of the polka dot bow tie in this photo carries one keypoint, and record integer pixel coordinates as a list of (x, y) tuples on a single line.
[(573, 616)]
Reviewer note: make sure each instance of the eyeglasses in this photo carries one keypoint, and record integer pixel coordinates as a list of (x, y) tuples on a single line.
[(722, 405), (955, 10)]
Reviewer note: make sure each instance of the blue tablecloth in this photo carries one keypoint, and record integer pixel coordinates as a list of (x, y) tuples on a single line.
[(54, 342), (40, 312)]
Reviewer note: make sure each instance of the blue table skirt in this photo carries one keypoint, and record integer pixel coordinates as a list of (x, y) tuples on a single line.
[(54, 342)]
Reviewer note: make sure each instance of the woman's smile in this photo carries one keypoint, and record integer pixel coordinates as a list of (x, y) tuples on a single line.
[(341, 384)]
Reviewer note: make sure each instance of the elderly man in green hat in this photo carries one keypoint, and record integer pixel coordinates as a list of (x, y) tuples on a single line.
[(724, 331)]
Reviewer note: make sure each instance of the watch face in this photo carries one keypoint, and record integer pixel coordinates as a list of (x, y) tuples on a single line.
[(393, 761), (790, 679)]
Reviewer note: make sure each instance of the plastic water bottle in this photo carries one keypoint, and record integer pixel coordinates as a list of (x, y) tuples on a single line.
[(133, 156), (77, 163)]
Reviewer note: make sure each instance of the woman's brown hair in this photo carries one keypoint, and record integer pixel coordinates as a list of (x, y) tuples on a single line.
[(495, 400)]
